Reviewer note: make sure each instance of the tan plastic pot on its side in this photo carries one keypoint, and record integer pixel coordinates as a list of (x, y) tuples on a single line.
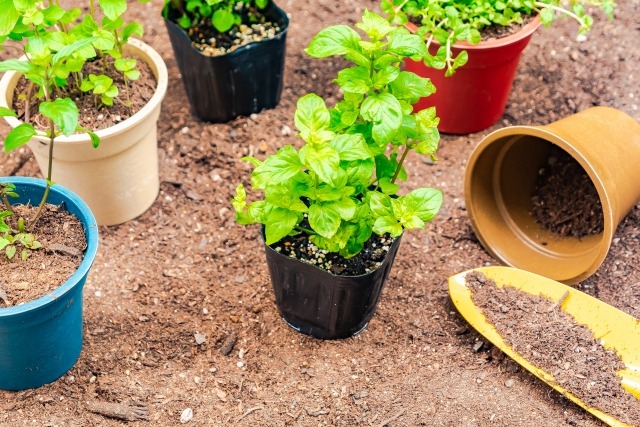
[(118, 180), (502, 172)]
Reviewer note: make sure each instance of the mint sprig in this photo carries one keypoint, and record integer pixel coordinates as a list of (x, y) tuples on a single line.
[(342, 182)]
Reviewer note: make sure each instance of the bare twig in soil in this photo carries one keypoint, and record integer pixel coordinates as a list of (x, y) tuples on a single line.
[(558, 304), (118, 411), (316, 412), (392, 419), (228, 344), (250, 411), (3, 295), (66, 250)]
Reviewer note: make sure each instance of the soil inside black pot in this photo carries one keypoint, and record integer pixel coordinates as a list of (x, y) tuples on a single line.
[(543, 333), (565, 200), (255, 27), (64, 242), (370, 258)]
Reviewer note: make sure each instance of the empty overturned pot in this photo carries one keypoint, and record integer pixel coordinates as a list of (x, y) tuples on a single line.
[(502, 174)]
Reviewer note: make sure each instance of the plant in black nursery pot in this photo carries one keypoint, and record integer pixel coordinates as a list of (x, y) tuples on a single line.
[(332, 211), (230, 54)]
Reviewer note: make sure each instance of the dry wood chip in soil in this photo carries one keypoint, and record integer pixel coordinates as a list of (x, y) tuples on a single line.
[(539, 330)]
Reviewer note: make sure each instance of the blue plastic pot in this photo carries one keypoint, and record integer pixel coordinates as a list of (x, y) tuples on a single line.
[(41, 340)]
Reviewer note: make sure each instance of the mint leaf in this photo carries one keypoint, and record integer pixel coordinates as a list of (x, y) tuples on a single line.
[(354, 80), (113, 8), (19, 136), (324, 219), (279, 223), (335, 40), (385, 112), (351, 147), (278, 168), (63, 112)]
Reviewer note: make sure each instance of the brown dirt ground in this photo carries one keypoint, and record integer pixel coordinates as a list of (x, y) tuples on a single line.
[(185, 268)]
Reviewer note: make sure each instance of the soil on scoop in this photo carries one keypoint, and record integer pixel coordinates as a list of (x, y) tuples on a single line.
[(63, 244), (255, 27), (370, 258), (539, 330), (92, 114), (564, 199)]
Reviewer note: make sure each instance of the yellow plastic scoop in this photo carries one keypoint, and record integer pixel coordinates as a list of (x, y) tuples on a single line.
[(616, 330)]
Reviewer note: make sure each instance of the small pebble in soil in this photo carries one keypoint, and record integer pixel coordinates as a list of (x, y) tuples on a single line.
[(186, 415)]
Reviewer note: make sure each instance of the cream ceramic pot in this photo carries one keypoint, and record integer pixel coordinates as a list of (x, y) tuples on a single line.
[(118, 180), (502, 172)]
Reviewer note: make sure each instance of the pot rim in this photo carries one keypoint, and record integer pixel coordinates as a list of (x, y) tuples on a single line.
[(91, 233), (396, 242), (162, 82), (523, 33)]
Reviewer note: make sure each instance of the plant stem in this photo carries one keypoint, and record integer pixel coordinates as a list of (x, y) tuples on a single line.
[(43, 201), (400, 6), (126, 80), (7, 205), (305, 230), (27, 102), (561, 10), (397, 172)]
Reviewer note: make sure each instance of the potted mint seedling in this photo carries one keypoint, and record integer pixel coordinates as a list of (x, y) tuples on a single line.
[(41, 339), (68, 56), (230, 54), (333, 212), (474, 52), (88, 58)]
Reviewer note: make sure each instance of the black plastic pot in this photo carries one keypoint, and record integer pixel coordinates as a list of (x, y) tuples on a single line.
[(239, 83), (323, 305)]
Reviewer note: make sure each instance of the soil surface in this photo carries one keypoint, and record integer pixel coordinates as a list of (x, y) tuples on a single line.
[(180, 320), (564, 199)]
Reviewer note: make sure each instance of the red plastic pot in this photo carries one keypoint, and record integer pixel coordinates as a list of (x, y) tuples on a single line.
[(475, 96)]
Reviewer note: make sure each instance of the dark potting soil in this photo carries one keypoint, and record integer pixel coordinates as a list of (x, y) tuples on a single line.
[(255, 27), (369, 259), (499, 31), (543, 333), (64, 242), (93, 115), (565, 200), (493, 31)]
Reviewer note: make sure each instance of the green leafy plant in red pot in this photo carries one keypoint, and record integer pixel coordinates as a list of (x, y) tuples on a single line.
[(474, 50), (230, 54), (332, 211)]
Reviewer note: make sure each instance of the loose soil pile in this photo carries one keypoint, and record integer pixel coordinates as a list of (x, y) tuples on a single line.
[(168, 289), (549, 338)]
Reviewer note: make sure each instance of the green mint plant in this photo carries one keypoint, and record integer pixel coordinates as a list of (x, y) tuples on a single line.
[(57, 43), (11, 239), (451, 21), (341, 186), (223, 14)]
